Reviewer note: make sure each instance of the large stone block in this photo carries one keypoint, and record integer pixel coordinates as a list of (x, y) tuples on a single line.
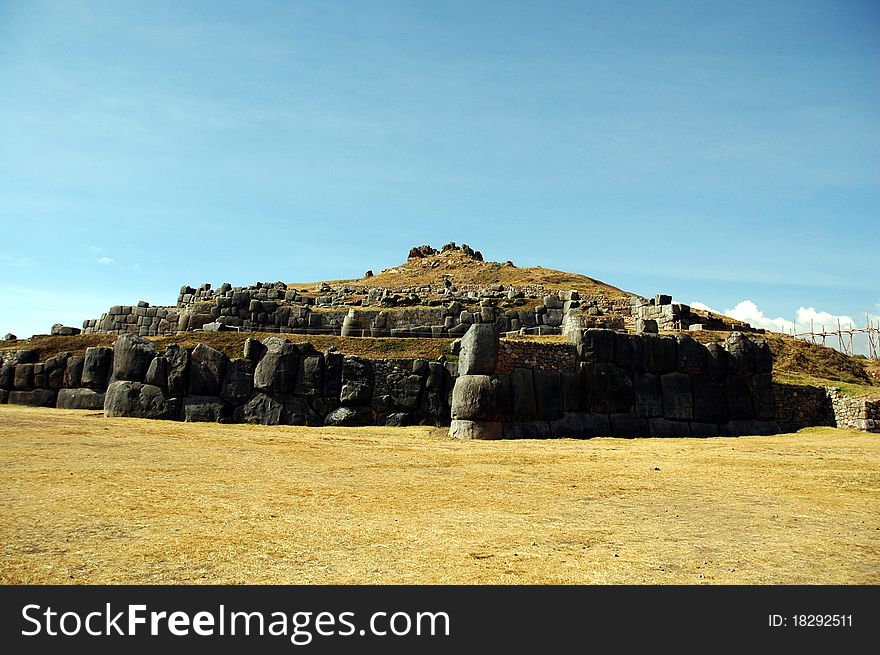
[(611, 391), (573, 397), (205, 409), (595, 345), (703, 429), (80, 399), (357, 381), (581, 425), (157, 374), (7, 376), (131, 358), (716, 362), (522, 392), (406, 391), (691, 355), (761, 391), (23, 379), (137, 400), (742, 354), (660, 353), (738, 398), (177, 359), (678, 399), (262, 409), (629, 352), (332, 373), (462, 429), (709, 405), (479, 350), (277, 369), (35, 398), (649, 399), (310, 375), (73, 372), (238, 381), (548, 394), (206, 369), (480, 398)]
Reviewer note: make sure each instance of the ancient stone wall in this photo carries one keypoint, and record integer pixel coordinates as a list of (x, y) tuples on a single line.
[(622, 385), (854, 413), (274, 382), (799, 406)]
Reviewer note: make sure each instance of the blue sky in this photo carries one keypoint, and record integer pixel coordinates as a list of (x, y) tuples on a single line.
[(720, 152)]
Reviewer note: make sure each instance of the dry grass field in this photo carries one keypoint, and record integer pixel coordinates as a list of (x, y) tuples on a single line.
[(92, 500)]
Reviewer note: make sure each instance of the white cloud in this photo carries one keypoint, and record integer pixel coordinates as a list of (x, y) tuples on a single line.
[(806, 319), (96, 249), (104, 260)]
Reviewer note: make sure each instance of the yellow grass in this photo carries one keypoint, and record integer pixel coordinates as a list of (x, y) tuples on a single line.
[(94, 500)]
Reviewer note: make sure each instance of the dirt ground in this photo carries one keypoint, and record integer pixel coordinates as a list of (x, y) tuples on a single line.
[(92, 500)]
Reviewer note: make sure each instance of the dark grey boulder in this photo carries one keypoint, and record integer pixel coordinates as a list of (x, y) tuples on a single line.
[(438, 378), (421, 367), (332, 373), (131, 358), (761, 392), (24, 377), (357, 381), (611, 390), (629, 352), (573, 397), (350, 416), (742, 354), (463, 429), (395, 419), (548, 394), (238, 381), (40, 376), (406, 391), (80, 399), (310, 375), (763, 357), (73, 372), (35, 398), (206, 369), (253, 349), (522, 390), (716, 362), (660, 353), (157, 374), (595, 345), (7, 376), (262, 409), (4, 396), (277, 369), (97, 366), (481, 398), (526, 430), (580, 425), (178, 369), (138, 400), (649, 400), (298, 412), (709, 405), (678, 400), (433, 410), (55, 367), (479, 350), (691, 355), (205, 409), (738, 398)]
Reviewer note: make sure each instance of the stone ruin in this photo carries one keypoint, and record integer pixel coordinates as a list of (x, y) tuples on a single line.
[(605, 381)]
